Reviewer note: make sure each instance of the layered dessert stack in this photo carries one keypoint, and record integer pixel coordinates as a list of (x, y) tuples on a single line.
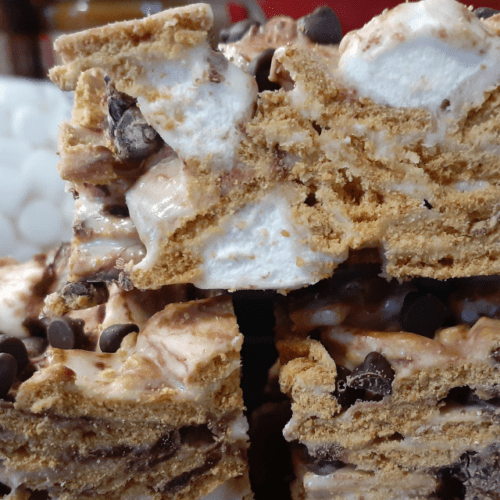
[(137, 397), (359, 177)]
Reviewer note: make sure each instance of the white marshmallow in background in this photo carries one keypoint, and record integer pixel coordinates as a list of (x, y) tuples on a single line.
[(35, 210)]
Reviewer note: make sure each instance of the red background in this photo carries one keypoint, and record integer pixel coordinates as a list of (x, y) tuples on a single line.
[(352, 13)]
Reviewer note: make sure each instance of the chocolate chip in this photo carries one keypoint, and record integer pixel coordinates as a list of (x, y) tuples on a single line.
[(15, 347), (485, 12), (35, 326), (345, 395), (427, 205), (236, 31), (462, 395), (260, 67), (97, 293), (134, 138), (8, 370), (422, 314), (116, 211), (321, 26), (65, 333), (445, 104), (35, 346), (111, 337), (118, 103), (4, 490), (374, 374)]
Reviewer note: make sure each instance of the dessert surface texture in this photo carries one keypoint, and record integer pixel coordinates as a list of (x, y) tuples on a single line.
[(137, 397), (363, 145), (347, 185), (393, 387)]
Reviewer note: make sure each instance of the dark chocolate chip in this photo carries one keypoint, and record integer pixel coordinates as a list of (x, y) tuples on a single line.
[(345, 395), (321, 26), (450, 484), (8, 370), (445, 104), (96, 292), (116, 211), (35, 345), (236, 31), (374, 374), (4, 490), (135, 139), (65, 333), (16, 348), (465, 396), (260, 67), (422, 314), (475, 308), (427, 205), (35, 326), (485, 12), (118, 103), (112, 336), (462, 395)]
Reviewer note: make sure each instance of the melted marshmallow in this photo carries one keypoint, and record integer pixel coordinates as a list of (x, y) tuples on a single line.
[(201, 101), (234, 489), (423, 54), (157, 203), (261, 246), (16, 292), (347, 482), (175, 346)]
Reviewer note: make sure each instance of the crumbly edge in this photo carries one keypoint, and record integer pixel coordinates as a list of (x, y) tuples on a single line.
[(346, 195), (369, 433), (326, 148), (60, 395), (196, 476), (349, 179), (117, 44)]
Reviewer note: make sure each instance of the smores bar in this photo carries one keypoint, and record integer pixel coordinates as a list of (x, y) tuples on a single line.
[(183, 172), (137, 397), (394, 387)]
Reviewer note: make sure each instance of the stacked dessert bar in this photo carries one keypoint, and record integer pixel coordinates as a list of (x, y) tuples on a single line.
[(110, 391), (360, 179), (138, 397)]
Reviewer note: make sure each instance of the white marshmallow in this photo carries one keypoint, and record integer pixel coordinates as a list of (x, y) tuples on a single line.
[(421, 53), (261, 246), (195, 116), (157, 203)]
